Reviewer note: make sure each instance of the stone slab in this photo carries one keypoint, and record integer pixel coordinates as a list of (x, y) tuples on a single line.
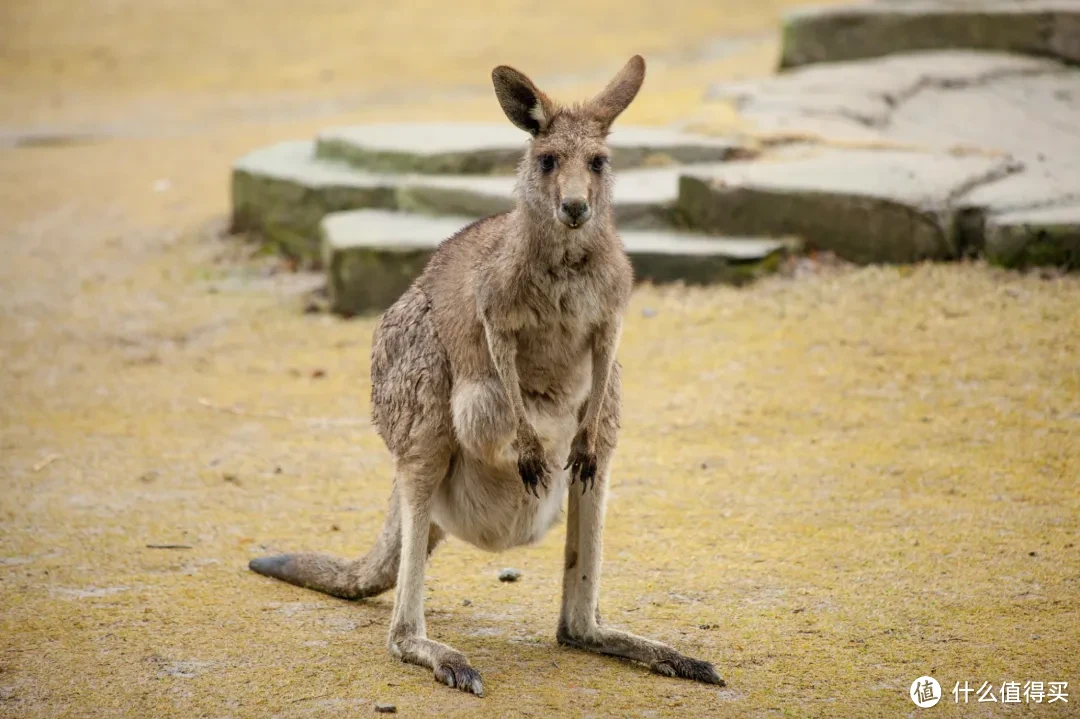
[(873, 29), (865, 205), (1034, 119), (372, 256), (950, 103), (476, 148), (859, 100), (283, 191), (1039, 236)]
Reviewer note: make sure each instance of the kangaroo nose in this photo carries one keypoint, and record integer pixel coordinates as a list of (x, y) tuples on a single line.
[(575, 209)]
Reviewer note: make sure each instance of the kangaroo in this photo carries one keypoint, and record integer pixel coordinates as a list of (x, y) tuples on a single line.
[(495, 388)]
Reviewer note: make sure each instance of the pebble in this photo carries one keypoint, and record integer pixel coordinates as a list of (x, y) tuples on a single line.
[(509, 575), (386, 709)]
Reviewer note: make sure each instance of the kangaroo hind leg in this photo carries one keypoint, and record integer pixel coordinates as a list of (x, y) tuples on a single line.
[(408, 631), (579, 619)]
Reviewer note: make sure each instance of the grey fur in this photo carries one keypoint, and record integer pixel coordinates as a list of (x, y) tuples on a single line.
[(495, 388)]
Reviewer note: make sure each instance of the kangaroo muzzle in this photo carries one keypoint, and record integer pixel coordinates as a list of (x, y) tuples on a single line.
[(574, 211)]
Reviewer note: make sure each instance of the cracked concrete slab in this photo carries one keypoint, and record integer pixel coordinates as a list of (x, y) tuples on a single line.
[(371, 256), (284, 190), (873, 29), (487, 148), (865, 205)]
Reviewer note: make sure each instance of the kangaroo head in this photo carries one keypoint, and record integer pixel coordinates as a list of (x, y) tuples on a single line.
[(565, 174)]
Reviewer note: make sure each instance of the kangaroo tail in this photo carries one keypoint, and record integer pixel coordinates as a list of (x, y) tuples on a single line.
[(372, 574)]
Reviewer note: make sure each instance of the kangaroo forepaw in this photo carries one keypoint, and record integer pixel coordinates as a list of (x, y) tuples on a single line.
[(533, 470), (687, 668), (459, 674), (582, 466)]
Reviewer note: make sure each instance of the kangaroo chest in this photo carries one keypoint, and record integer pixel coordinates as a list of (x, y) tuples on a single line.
[(558, 319)]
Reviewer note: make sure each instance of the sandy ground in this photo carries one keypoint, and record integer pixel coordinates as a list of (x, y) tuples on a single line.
[(829, 483)]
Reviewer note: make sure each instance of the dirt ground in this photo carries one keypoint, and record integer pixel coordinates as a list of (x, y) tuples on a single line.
[(829, 483)]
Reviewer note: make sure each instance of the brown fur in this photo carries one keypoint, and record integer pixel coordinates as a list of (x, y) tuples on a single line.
[(495, 370)]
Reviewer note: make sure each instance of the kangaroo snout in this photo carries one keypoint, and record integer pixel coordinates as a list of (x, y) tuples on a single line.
[(574, 211)]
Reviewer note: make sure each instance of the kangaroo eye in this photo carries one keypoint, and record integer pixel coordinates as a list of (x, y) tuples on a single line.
[(547, 163), (598, 163)]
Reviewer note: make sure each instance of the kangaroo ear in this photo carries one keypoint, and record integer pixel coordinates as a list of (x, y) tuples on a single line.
[(620, 92), (523, 103)]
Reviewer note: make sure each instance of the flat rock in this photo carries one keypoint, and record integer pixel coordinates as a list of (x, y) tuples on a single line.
[(859, 100), (865, 205), (473, 148), (372, 256), (873, 29), (1032, 118), (946, 104), (1039, 236), (283, 192)]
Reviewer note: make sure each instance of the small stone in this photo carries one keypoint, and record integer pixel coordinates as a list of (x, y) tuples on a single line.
[(385, 709), (231, 478), (466, 602), (509, 575), (318, 374), (1031, 554), (335, 528)]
